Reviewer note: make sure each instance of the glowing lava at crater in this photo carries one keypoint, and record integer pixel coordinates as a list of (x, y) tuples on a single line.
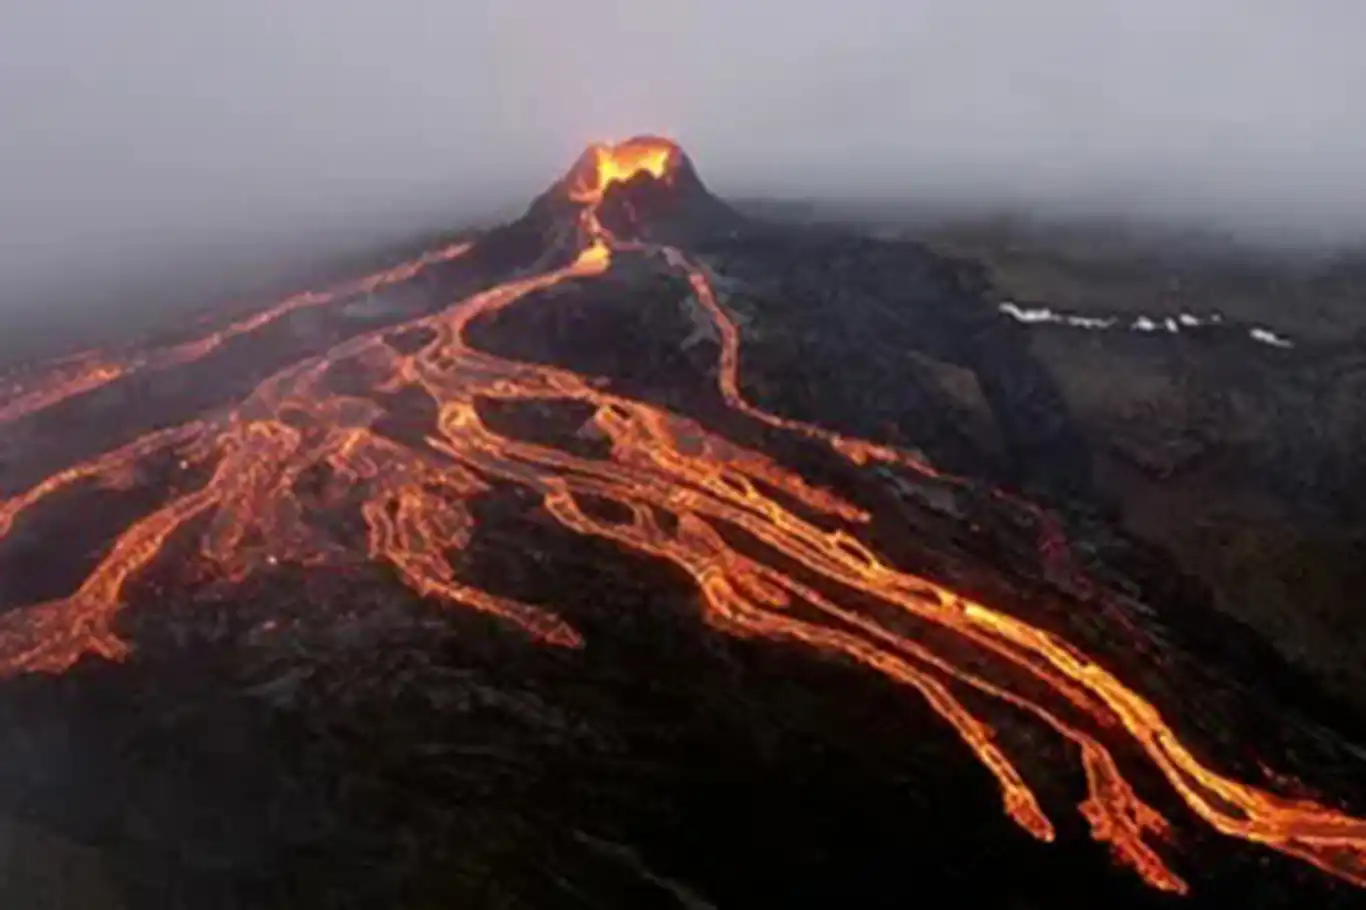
[(687, 490), (640, 191), (603, 165)]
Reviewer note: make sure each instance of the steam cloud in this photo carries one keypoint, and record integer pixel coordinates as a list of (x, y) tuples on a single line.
[(145, 130)]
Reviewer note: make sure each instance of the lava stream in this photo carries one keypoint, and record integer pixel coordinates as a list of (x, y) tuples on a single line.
[(89, 371), (415, 503)]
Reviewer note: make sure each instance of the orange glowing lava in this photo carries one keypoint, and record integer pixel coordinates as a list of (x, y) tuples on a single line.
[(682, 486), (86, 372), (609, 164)]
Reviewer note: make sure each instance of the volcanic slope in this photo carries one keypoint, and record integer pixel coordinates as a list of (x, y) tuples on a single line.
[(588, 383)]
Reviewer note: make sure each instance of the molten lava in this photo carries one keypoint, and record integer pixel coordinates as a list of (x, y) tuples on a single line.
[(682, 487), (604, 165), (89, 371)]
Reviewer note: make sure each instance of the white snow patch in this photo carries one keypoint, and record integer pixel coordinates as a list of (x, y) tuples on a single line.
[(1031, 315), (1089, 322), (1043, 314), (1170, 324), (1266, 336)]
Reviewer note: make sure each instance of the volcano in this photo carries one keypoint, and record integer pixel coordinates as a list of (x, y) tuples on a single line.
[(629, 560), (641, 190)]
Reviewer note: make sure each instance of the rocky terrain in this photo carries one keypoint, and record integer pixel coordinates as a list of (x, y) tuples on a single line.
[(1242, 461), (328, 737)]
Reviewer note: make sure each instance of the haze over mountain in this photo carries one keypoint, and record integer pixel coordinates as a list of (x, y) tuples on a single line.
[(565, 562), (148, 130)]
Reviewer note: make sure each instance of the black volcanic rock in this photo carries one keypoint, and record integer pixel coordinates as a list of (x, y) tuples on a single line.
[(325, 737), (676, 208), (836, 318)]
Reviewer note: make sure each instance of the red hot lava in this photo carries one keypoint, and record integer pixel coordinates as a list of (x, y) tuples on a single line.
[(415, 500)]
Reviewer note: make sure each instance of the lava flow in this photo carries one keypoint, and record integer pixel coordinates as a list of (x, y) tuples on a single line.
[(683, 487), (88, 371)]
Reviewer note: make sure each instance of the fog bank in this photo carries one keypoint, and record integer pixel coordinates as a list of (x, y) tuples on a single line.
[(138, 132)]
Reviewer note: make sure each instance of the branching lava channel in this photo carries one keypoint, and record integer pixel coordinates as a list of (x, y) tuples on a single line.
[(416, 508)]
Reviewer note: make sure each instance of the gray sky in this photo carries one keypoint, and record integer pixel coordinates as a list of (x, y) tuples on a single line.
[(142, 130)]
